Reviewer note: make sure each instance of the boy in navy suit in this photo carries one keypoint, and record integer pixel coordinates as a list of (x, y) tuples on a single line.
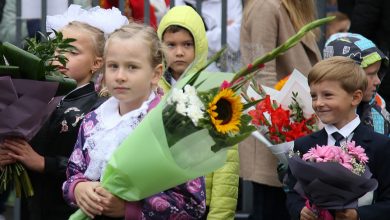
[(336, 87)]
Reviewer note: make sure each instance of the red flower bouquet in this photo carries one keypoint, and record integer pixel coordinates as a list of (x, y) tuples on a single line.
[(279, 125)]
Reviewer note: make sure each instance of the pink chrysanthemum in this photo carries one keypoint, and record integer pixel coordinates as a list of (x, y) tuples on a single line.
[(357, 152), (351, 156), (328, 154)]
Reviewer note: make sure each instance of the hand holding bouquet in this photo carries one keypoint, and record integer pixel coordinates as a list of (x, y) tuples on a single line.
[(186, 135), (24, 107), (26, 103), (331, 177)]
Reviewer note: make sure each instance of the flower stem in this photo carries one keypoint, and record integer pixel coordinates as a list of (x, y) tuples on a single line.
[(292, 41)]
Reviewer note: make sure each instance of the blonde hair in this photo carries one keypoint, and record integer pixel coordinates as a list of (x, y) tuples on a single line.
[(300, 12), (96, 35), (344, 70), (142, 32)]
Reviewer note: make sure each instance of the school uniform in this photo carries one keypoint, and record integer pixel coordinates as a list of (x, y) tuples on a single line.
[(377, 148), (55, 142)]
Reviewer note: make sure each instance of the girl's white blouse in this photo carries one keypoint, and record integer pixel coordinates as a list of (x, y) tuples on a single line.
[(109, 132)]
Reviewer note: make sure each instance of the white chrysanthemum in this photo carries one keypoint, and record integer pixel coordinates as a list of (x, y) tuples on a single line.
[(195, 113), (181, 108), (190, 90), (178, 96), (194, 100), (187, 103)]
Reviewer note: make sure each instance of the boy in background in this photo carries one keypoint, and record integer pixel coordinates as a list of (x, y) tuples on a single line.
[(183, 33), (371, 110)]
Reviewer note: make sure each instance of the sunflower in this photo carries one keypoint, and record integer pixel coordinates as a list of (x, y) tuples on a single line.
[(225, 111)]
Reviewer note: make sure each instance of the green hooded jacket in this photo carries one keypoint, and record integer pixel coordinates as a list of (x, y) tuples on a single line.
[(189, 19), (221, 185)]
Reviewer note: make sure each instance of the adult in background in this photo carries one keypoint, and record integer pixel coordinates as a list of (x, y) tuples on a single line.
[(267, 24)]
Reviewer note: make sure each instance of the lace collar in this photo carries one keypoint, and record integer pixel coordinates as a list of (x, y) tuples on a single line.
[(109, 133)]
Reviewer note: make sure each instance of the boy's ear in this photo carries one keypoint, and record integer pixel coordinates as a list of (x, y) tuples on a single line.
[(157, 74), (97, 64), (357, 97)]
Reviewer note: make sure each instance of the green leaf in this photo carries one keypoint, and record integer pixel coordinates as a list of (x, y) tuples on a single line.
[(10, 71), (30, 66), (68, 40)]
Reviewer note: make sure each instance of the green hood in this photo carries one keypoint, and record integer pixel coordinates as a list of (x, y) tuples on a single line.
[(189, 19)]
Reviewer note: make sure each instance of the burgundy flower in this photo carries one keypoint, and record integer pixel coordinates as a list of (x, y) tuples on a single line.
[(194, 186), (77, 156), (179, 198), (159, 204)]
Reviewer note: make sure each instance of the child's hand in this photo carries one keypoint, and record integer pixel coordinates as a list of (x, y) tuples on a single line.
[(5, 158), (23, 152), (113, 206), (346, 214), (307, 214), (87, 199)]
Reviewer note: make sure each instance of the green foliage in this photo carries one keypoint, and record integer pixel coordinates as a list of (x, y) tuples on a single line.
[(50, 50), (296, 109)]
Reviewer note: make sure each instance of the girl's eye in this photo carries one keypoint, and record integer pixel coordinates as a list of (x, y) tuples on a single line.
[(112, 66), (71, 52)]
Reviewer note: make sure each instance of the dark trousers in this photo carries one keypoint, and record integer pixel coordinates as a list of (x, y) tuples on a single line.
[(269, 203)]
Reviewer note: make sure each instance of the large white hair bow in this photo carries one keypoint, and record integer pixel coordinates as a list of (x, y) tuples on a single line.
[(106, 20)]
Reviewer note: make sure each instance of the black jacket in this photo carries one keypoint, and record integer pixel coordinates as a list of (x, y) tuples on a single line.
[(377, 149), (55, 142)]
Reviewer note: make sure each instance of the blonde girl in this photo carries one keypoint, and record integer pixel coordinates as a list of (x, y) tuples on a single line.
[(132, 61), (46, 155)]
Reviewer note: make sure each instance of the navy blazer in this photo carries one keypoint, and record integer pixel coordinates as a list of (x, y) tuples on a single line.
[(377, 148)]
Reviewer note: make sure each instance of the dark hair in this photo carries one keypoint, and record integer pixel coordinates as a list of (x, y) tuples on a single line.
[(175, 29)]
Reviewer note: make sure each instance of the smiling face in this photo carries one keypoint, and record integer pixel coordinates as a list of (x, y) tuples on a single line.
[(129, 75), (332, 104), (372, 79), (180, 51)]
